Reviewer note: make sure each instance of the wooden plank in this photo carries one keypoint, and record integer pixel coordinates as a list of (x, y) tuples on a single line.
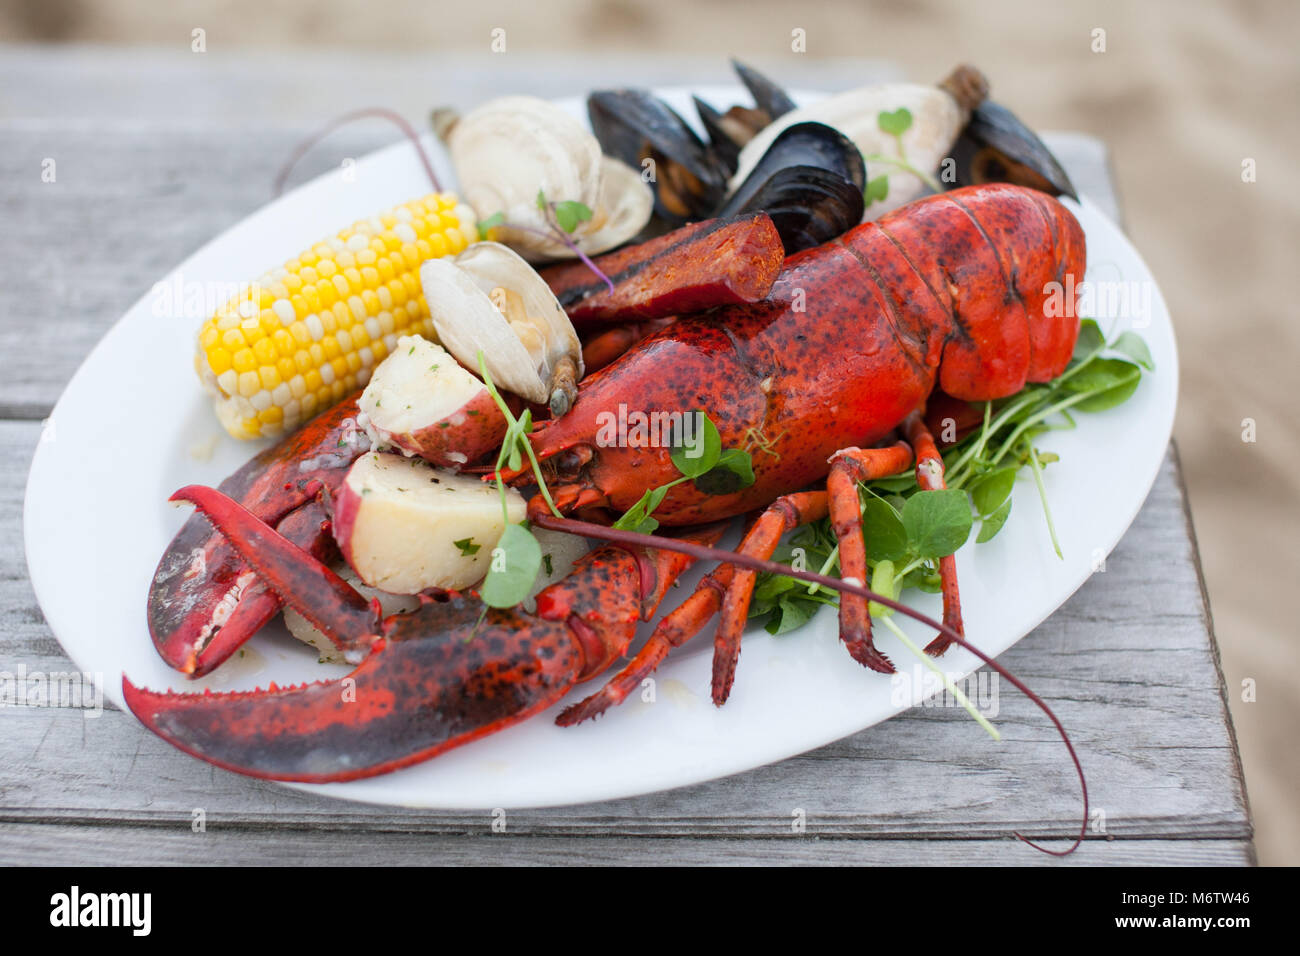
[(239, 88), (64, 845), (1125, 663)]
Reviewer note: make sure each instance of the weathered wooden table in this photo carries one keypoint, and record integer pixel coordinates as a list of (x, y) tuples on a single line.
[(157, 152)]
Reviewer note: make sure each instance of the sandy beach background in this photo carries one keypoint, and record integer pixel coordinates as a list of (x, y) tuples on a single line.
[(1183, 93)]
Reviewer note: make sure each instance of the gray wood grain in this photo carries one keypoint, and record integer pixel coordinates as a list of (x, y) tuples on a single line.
[(65, 845), (1129, 663)]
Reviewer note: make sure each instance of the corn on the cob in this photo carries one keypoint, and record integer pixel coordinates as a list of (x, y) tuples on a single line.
[(308, 334)]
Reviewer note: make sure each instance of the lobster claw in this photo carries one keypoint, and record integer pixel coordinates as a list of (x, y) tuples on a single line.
[(445, 674), (435, 679), (204, 602), (429, 680)]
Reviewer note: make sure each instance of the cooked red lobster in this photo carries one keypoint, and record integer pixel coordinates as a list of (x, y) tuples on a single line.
[(831, 372)]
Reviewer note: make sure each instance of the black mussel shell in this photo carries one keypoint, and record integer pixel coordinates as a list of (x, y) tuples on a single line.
[(810, 181), (768, 97), (633, 126), (996, 147), (808, 206), (731, 130), (728, 131)]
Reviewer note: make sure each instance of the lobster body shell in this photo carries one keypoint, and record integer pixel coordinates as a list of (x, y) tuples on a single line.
[(960, 290)]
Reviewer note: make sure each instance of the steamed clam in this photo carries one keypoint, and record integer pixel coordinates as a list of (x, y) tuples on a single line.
[(938, 115), (516, 155), (490, 299)]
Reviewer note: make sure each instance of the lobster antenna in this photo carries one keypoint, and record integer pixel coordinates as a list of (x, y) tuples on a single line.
[(364, 113), (706, 553)]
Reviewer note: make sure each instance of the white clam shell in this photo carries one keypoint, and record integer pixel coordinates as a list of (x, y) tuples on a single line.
[(510, 149), (458, 293)]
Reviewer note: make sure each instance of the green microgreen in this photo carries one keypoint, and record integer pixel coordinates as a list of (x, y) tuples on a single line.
[(894, 124), (562, 220), (714, 470), (517, 558)]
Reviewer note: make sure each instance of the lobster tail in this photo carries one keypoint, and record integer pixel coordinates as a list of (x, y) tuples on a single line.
[(1004, 263)]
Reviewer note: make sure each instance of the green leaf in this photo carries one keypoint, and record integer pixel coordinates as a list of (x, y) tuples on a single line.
[(700, 456), (541, 199), (1101, 375), (514, 569), (734, 470), (925, 578), (877, 189), (638, 517), (896, 123), (487, 225), (1090, 339), (1112, 381), (993, 523), (790, 614), (937, 522), (992, 490), (468, 547), (1110, 398), (883, 532), (1135, 347), (569, 213), (894, 484)]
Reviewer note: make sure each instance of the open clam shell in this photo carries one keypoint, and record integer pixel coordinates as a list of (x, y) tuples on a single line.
[(489, 298), (513, 149)]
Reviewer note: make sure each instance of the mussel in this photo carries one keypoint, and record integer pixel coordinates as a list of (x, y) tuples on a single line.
[(810, 181), (635, 127), (730, 131), (996, 146)]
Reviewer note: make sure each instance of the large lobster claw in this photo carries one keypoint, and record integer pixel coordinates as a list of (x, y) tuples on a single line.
[(441, 676), (204, 602)]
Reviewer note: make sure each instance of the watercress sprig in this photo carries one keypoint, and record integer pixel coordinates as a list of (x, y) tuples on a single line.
[(562, 220), (714, 470), (895, 124)]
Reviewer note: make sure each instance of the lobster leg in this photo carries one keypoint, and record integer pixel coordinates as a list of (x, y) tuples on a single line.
[(784, 514), (848, 467), (929, 475), (673, 631)]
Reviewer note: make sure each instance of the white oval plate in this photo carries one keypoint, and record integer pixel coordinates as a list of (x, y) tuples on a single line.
[(133, 425)]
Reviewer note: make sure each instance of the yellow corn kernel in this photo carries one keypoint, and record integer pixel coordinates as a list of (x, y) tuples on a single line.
[(218, 360), (264, 351), (243, 361)]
